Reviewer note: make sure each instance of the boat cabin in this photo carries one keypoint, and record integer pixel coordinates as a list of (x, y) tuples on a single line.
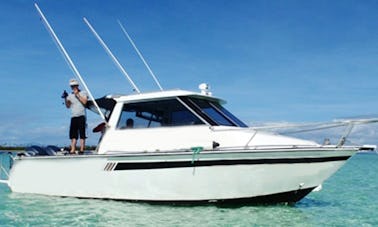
[(174, 120), (163, 117)]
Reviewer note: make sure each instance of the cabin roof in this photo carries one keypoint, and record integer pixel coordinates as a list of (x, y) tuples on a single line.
[(148, 96)]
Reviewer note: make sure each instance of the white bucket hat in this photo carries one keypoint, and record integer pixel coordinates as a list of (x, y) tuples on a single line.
[(73, 82)]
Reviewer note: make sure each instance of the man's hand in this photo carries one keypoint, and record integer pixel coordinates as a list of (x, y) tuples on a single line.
[(65, 94), (76, 91)]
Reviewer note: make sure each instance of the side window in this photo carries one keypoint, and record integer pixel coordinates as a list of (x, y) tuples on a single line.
[(125, 119), (131, 118), (156, 114)]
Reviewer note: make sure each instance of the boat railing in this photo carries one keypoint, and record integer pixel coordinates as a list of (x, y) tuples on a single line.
[(251, 138), (347, 123)]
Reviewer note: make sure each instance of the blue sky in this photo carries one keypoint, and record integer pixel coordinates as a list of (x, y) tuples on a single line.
[(273, 61)]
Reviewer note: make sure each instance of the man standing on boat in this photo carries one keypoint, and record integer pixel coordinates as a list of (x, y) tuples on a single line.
[(77, 101)]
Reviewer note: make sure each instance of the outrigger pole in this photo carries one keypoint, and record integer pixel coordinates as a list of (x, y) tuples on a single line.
[(140, 55), (115, 60), (68, 59)]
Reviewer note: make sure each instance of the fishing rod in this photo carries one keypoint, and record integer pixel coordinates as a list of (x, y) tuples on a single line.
[(140, 54), (108, 51), (68, 59)]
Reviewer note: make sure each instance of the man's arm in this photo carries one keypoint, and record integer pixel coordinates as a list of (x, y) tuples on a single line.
[(82, 98), (67, 102)]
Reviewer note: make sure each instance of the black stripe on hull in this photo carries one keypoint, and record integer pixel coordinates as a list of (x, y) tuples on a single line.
[(287, 198), (199, 163)]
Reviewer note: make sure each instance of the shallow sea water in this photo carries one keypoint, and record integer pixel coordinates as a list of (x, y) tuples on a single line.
[(348, 198)]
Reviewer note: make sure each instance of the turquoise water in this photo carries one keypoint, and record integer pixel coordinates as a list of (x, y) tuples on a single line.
[(349, 198)]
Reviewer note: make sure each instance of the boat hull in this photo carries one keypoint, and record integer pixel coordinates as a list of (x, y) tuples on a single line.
[(253, 176)]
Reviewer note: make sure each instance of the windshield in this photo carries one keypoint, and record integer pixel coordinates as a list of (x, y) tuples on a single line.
[(213, 112)]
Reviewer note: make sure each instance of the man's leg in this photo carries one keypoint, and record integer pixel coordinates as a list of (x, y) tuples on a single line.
[(73, 145), (73, 134), (82, 133), (82, 145)]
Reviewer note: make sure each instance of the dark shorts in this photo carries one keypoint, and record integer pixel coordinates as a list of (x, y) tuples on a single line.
[(77, 127)]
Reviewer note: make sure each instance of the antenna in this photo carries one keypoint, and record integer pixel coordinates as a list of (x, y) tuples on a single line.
[(67, 58), (115, 60), (140, 55)]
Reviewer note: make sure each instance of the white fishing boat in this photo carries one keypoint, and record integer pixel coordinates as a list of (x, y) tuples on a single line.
[(183, 147)]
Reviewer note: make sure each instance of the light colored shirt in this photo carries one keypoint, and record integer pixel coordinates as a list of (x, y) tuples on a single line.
[(77, 108)]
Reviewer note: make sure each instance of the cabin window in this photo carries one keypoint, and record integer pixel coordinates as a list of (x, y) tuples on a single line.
[(158, 113), (229, 115), (213, 112)]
